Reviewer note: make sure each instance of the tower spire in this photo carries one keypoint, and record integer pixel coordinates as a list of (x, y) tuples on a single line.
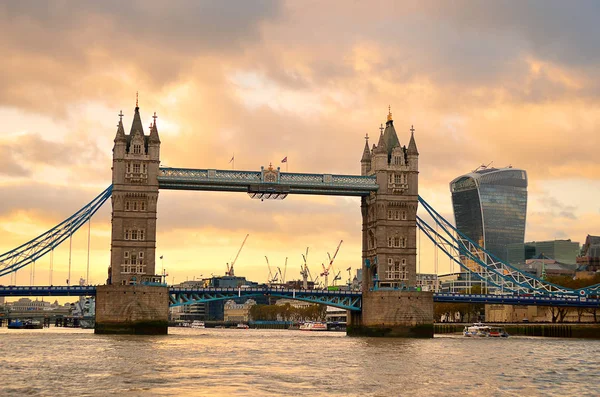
[(136, 99), (120, 130), (412, 145), (154, 131), (366, 157), (389, 116)]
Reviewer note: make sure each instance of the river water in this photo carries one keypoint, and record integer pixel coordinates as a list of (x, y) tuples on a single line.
[(231, 362)]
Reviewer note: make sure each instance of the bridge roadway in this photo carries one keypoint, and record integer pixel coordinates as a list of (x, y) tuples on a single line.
[(349, 300), (257, 182)]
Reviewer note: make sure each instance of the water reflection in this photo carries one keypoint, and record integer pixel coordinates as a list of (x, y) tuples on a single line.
[(275, 362)]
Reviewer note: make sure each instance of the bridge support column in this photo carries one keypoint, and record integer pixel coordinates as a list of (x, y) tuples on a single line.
[(132, 309), (394, 314)]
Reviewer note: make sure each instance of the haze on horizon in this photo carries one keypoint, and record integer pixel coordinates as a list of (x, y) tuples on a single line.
[(510, 82)]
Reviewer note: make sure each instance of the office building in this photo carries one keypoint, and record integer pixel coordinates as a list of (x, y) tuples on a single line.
[(490, 206), (563, 251)]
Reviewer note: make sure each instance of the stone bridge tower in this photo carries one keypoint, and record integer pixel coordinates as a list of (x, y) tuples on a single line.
[(391, 304), (133, 301), (136, 159)]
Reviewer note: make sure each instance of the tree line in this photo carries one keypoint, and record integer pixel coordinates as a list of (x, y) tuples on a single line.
[(288, 312)]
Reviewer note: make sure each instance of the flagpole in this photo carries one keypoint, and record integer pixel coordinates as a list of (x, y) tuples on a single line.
[(233, 163), (286, 164)]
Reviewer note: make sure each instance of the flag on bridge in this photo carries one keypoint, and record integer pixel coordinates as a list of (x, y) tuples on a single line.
[(161, 257), (231, 159), (284, 160)]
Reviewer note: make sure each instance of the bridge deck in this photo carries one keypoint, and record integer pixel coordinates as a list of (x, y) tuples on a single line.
[(259, 182), (350, 300)]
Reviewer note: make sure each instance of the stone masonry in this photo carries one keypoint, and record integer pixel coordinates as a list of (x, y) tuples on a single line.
[(133, 301), (390, 306)]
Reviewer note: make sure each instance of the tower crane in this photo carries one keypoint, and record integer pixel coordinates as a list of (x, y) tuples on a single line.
[(282, 275), (230, 267), (305, 272), (331, 259), (337, 277), (271, 279)]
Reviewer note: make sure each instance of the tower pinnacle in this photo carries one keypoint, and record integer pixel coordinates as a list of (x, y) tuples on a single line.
[(389, 116)]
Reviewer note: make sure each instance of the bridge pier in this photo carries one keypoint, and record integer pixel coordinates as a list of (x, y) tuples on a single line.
[(393, 313), (132, 309)]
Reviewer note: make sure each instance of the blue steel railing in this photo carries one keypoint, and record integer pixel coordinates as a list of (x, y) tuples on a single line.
[(349, 300)]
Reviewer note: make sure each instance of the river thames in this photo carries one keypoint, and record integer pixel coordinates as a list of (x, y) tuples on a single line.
[(228, 362)]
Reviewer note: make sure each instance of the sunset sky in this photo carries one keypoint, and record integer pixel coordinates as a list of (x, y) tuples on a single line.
[(511, 82)]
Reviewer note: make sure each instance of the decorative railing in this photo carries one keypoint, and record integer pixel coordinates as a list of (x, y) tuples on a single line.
[(204, 179)]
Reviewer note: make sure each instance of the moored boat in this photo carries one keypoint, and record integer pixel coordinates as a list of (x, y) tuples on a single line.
[(197, 324), (32, 324), (242, 326), (313, 326), (481, 330), (16, 324)]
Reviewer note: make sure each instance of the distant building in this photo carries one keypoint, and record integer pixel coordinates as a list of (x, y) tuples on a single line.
[(563, 251), (457, 283), (589, 260), (428, 282), (490, 207), (542, 267), (336, 315), (211, 311), (293, 303), (238, 311)]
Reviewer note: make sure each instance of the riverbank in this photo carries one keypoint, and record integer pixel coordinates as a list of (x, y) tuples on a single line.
[(562, 330)]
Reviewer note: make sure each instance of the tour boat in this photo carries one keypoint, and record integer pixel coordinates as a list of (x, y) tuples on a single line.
[(482, 330), (242, 326), (32, 324), (313, 326), (16, 324), (197, 324)]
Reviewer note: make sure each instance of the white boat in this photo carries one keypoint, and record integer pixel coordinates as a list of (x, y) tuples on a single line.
[(313, 326), (197, 324), (480, 330), (242, 326)]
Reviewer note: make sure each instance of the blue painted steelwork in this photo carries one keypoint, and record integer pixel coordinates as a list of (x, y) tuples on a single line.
[(349, 300), (505, 277), (60, 290), (258, 181), (537, 300), (31, 251)]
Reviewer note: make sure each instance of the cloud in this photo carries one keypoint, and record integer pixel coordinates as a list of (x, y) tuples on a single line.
[(510, 83)]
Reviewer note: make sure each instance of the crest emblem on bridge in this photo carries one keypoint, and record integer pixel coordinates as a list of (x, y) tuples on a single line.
[(269, 175)]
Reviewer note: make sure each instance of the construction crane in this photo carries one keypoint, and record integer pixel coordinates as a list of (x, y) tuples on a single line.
[(282, 275), (230, 267), (271, 279), (349, 275), (304, 272), (337, 277), (331, 259)]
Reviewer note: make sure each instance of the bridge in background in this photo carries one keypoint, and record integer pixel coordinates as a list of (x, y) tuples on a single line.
[(349, 300)]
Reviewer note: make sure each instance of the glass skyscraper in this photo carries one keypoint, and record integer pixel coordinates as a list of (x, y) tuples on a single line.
[(490, 207)]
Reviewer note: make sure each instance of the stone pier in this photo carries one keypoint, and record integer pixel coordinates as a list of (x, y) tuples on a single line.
[(132, 309), (394, 314)]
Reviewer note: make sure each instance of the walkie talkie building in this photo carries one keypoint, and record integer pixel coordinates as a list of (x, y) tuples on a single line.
[(490, 207)]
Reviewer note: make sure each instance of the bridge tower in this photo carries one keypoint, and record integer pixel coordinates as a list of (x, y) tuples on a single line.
[(391, 304), (133, 301), (136, 159)]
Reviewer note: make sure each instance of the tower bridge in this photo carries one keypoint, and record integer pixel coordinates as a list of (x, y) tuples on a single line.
[(135, 300)]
